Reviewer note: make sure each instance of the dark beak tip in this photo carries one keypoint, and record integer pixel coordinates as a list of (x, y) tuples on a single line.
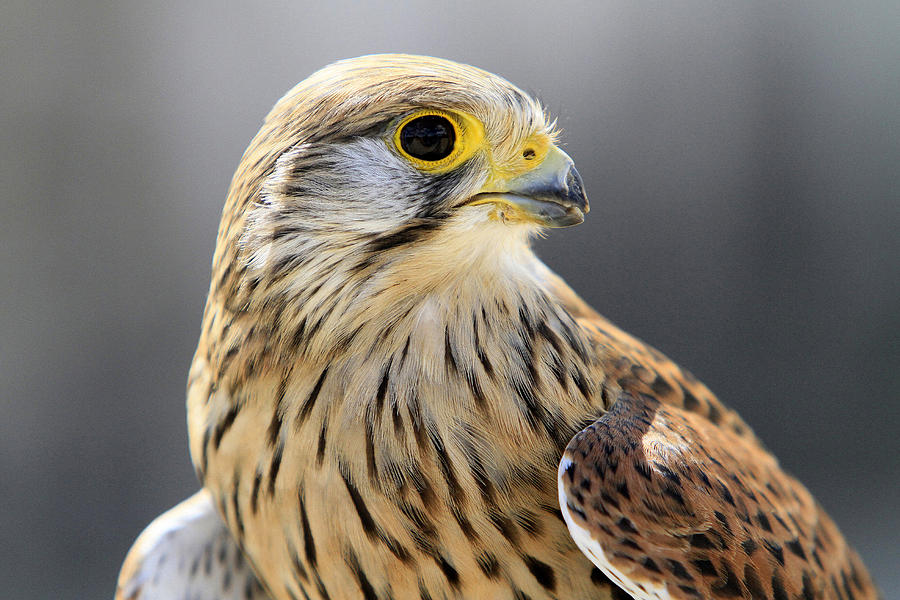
[(575, 190)]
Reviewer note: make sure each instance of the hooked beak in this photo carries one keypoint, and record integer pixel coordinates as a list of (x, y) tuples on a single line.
[(551, 194)]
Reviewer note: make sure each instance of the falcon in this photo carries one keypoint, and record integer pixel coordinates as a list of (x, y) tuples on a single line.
[(393, 397)]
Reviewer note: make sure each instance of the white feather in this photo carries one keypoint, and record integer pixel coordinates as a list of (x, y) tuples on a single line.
[(187, 552)]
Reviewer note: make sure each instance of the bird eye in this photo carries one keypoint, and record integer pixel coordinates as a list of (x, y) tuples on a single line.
[(429, 137), (436, 140)]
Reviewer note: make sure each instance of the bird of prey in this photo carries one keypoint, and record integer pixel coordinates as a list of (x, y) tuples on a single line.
[(392, 397)]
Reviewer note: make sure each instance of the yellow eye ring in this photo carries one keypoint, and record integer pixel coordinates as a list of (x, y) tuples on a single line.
[(466, 137)]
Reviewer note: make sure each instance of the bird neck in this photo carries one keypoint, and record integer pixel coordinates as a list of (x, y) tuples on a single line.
[(444, 343), (456, 305)]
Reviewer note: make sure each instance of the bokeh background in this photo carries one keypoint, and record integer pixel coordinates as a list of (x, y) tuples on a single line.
[(741, 159)]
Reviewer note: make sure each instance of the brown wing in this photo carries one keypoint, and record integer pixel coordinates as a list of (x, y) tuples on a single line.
[(672, 496)]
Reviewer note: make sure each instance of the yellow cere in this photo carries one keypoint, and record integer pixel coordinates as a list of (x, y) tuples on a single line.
[(469, 139), (531, 154)]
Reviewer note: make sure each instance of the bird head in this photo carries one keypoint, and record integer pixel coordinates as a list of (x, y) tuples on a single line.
[(388, 157)]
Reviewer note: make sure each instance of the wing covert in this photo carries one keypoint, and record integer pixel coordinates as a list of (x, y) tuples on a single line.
[(670, 505)]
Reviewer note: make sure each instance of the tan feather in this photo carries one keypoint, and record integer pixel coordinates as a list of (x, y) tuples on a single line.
[(387, 377)]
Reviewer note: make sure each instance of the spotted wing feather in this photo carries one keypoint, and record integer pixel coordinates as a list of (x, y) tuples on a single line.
[(187, 553), (671, 506), (672, 496)]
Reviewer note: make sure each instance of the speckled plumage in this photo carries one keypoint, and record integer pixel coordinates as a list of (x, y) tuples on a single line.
[(387, 379)]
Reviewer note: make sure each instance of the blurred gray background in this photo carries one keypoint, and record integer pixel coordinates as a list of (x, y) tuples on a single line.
[(741, 159)]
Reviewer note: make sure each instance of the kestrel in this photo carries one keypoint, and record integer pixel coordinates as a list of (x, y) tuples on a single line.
[(392, 396)]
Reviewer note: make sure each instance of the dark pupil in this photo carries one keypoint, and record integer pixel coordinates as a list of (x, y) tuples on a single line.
[(428, 138)]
